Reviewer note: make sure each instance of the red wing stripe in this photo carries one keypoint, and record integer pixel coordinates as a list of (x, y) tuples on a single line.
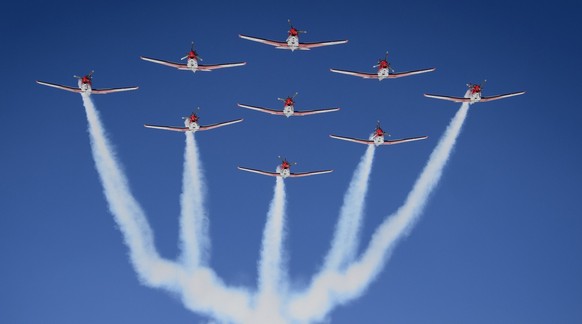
[(219, 66), (170, 128), (455, 99), (111, 90), (306, 174), (272, 174), (167, 63), (351, 139), (359, 74), (404, 140), (261, 109), (208, 127), (319, 44), (263, 40), (507, 95), (403, 74), (58, 86), (313, 112)]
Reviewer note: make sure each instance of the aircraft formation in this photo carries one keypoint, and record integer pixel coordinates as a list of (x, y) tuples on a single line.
[(283, 170)]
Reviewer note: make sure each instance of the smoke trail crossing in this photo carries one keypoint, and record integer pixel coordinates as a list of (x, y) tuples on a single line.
[(333, 287), (201, 290), (345, 241)]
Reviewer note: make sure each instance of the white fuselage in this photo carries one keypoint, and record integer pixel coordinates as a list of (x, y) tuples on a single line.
[(383, 74), (192, 126), (293, 42), (288, 110), (283, 172), (475, 97), (85, 87), (192, 64), (378, 140)]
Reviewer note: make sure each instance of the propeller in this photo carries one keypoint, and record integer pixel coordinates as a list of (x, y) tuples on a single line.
[(193, 113), (380, 60), (380, 128), (298, 31), (192, 50), (292, 97), (90, 75), (283, 159)]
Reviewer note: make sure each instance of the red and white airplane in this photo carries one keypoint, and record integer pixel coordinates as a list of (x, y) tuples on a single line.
[(292, 42), (377, 138), (288, 108), (192, 62), (191, 125), (473, 95), (284, 171), (85, 86), (385, 71)]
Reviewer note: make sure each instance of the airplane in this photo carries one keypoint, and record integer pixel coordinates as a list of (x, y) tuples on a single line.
[(377, 138), (192, 62), (284, 171), (292, 42), (384, 71), (288, 108), (85, 86), (473, 95), (191, 125)]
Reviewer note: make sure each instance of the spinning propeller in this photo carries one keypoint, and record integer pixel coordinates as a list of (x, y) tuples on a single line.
[(192, 51)]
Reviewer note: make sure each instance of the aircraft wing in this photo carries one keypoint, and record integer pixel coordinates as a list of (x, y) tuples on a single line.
[(58, 86), (178, 66), (264, 41), (111, 90), (213, 126), (404, 140), (351, 139), (306, 174), (313, 112), (403, 74), (219, 66), (261, 109), (307, 46), (507, 95), (449, 98), (170, 128), (358, 74), (272, 174)]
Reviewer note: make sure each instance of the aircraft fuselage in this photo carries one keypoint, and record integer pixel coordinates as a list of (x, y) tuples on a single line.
[(192, 64), (293, 42), (288, 110)]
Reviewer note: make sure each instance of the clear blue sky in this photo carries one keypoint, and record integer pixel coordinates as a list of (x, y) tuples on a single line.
[(499, 242)]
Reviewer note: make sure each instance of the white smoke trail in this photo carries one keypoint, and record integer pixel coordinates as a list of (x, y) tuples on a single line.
[(201, 290), (152, 270), (333, 287), (345, 241), (193, 221), (272, 276)]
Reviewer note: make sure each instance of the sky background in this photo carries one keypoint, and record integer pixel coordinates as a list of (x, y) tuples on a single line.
[(499, 241)]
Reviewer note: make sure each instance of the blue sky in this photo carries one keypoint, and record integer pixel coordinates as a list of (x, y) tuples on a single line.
[(499, 240)]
